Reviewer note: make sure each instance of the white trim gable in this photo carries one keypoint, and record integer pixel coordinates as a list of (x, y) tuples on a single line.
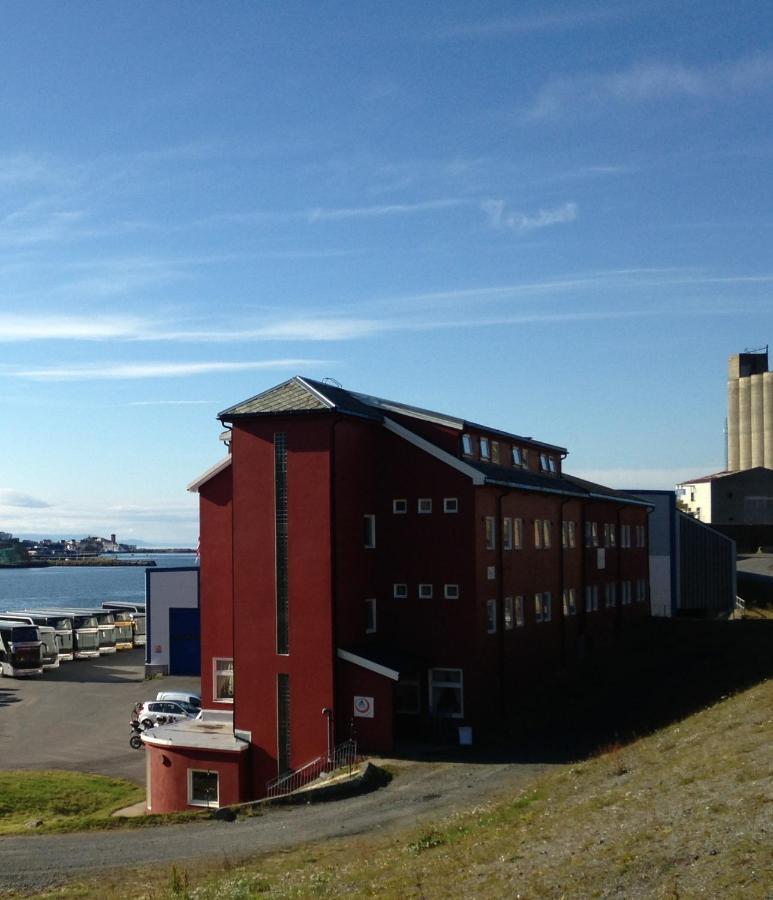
[(194, 486), (473, 474), (368, 664)]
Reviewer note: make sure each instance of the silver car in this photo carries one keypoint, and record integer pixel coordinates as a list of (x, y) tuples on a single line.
[(162, 712)]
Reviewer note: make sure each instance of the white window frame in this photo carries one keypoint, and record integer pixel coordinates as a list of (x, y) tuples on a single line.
[(400, 590), (544, 465), (507, 533), (485, 449), (453, 685), (508, 614), (400, 506), (217, 671), (206, 803), (425, 591), (424, 506), (369, 521), (518, 457), (490, 532), (520, 619), (451, 591), (552, 465), (466, 445), (547, 534), (370, 606), (491, 616), (450, 504)]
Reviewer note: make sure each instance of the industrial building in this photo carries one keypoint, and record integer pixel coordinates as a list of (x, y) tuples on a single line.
[(376, 571), (692, 565), (749, 411)]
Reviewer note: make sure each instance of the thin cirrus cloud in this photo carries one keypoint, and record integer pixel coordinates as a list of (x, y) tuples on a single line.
[(510, 26), (380, 210), (649, 82), (16, 328), (131, 371)]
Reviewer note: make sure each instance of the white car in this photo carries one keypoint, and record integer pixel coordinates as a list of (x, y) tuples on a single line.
[(180, 697), (162, 712)]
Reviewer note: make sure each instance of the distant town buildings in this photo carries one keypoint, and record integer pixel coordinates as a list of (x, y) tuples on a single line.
[(75, 548)]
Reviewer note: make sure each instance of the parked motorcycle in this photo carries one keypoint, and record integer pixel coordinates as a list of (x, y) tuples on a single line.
[(138, 728)]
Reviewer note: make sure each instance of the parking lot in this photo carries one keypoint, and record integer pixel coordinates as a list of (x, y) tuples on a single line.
[(76, 717)]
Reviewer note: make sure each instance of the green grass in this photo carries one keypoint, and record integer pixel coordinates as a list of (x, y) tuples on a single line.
[(61, 801)]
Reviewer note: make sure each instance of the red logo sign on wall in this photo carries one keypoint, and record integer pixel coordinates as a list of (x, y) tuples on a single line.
[(363, 707)]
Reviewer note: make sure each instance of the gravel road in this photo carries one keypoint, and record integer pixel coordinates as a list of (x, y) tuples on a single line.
[(420, 791)]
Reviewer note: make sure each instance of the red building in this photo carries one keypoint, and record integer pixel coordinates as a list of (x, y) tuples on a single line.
[(373, 567)]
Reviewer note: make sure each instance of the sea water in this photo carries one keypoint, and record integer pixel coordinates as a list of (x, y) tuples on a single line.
[(86, 586)]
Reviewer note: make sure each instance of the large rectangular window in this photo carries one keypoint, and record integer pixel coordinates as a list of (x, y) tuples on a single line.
[(507, 533), (568, 534), (446, 693), (283, 723), (518, 533), (280, 527), (508, 611), (223, 680), (519, 618)]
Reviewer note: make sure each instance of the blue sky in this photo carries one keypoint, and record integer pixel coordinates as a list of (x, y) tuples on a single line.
[(552, 218)]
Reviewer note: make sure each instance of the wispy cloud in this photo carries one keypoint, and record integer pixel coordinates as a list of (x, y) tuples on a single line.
[(130, 371), (510, 26), (650, 82), (15, 328), (17, 499), (380, 211), (500, 217)]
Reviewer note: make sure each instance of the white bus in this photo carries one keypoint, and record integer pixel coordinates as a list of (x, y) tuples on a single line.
[(62, 626), (49, 649), (85, 630), (135, 612), (20, 650)]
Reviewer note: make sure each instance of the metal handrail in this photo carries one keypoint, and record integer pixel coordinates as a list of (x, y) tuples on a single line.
[(344, 755)]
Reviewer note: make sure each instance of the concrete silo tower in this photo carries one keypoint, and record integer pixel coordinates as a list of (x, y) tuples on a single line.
[(749, 411)]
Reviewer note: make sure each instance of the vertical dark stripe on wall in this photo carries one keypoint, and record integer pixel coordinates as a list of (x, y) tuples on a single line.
[(280, 526), (283, 723)]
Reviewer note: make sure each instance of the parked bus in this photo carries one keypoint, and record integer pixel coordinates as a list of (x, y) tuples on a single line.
[(49, 649), (62, 626), (20, 650), (85, 630), (124, 629), (105, 626), (136, 612)]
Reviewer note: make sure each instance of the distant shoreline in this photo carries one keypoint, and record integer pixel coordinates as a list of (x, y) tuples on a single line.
[(90, 561)]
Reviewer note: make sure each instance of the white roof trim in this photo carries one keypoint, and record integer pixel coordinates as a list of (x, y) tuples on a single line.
[(367, 664), (210, 473), (320, 396), (473, 474)]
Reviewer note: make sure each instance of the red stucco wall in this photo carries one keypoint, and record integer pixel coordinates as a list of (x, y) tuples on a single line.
[(168, 770)]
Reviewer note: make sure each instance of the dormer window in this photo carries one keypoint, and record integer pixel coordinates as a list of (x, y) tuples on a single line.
[(548, 463), (553, 464), (466, 445), (485, 450), (495, 452), (519, 456)]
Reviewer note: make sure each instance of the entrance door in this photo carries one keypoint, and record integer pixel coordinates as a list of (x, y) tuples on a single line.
[(184, 642)]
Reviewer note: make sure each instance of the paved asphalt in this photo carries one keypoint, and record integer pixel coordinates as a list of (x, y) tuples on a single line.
[(77, 716)]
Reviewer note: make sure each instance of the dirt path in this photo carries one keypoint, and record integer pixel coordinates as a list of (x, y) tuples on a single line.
[(419, 791)]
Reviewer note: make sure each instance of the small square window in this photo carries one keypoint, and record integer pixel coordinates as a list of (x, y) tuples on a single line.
[(451, 591), (485, 450), (424, 505), (450, 505), (399, 507), (203, 788), (466, 445), (399, 591), (425, 591)]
